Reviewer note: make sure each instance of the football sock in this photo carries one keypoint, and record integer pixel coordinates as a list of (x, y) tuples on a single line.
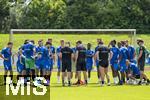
[(148, 80), (5, 79), (102, 82), (11, 76), (86, 82)]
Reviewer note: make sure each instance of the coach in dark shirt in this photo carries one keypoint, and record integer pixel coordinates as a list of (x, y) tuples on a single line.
[(102, 55), (81, 62), (66, 56), (141, 61)]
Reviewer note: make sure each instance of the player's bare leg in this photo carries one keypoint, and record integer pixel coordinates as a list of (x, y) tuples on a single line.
[(102, 75), (58, 76), (63, 78), (107, 76), (143, 76), (79, 77), (98, 75), (85, 76), (69, 78)]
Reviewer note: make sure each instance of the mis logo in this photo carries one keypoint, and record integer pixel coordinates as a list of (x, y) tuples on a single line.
[(20, 85)]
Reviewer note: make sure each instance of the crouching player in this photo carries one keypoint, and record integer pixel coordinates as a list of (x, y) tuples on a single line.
[(6, 55), (66, 56), (134, 73), (89, 60)]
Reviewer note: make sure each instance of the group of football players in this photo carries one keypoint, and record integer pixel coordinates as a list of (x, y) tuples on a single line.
[(127, 63)]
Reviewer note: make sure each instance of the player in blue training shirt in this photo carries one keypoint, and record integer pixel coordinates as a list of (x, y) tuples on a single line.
[(134, 72), (47, 54), (39, 62), (52, 52), (21, 69), (28, 51), (89, 60), (96, 61), (114, 58), (131, 52), (58, 59), (6, 55), (122, 61)]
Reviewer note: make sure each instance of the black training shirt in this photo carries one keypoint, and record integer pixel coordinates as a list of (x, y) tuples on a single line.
[(103, 53), (66, 54), (143, 54), (81, 53)]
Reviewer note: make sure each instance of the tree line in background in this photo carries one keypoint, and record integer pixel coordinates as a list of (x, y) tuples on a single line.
[(75, 14)]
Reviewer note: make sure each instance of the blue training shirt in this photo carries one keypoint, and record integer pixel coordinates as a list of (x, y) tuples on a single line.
[(135, 70), (131, 52), (28, 50), (115, 55), (6, 52), (89, 56), (124, 55)]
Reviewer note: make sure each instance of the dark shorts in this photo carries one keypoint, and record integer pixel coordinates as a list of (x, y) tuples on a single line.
[(103, 63), (141, 65), (66, 66), (81, 66)]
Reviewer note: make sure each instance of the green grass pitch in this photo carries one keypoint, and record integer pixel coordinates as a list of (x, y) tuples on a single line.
[(92, 91)]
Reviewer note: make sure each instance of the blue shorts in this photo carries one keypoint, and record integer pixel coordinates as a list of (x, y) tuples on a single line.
[(20, 67), (115, 66), (123, 68), (39, 64), (7, 66), (89, 66), (48, 65), (51, 63)]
